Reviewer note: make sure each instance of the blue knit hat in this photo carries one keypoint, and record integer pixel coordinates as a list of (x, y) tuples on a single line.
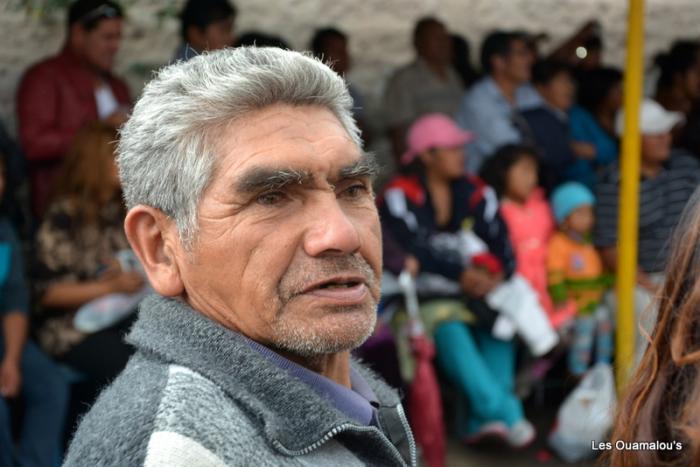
[(568, 197)]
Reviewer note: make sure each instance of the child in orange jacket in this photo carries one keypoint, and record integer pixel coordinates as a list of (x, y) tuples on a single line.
[(575, 273)]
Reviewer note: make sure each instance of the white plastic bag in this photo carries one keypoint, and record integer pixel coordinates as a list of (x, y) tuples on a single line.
[(586, 416), (108, 310), (516, 300)]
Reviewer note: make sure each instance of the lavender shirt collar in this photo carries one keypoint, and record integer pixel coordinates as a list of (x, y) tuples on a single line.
[(358, 403)]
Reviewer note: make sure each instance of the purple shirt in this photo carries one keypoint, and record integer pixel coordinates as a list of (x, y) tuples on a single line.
[(358, 403)]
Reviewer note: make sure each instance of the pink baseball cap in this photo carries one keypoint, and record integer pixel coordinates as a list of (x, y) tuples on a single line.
[(433, 131)]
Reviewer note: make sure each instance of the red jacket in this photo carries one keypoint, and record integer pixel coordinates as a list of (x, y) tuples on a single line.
[(56, 98)]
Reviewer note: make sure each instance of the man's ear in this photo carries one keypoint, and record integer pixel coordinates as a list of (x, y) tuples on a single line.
[(154, 238)]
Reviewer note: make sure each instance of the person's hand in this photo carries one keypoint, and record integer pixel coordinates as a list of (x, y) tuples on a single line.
[(116, 119), (126, 282), (411, 265), (110, 269), (477, 282), (10, 379), (585, 151)]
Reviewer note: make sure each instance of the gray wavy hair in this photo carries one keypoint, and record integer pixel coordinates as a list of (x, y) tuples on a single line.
[(166, 151)]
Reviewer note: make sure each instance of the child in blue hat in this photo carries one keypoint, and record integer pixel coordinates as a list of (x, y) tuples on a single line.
[(575, 275)]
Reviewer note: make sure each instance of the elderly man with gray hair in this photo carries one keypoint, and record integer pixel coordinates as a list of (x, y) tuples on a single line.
[(251, 209)]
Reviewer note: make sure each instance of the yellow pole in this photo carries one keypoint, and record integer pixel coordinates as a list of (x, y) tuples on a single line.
[(629, 194)]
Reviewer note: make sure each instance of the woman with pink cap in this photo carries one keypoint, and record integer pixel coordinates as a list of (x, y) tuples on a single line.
[(449, 221)]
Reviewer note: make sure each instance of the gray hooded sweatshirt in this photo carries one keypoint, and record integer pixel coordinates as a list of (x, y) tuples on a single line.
[(196, 394)]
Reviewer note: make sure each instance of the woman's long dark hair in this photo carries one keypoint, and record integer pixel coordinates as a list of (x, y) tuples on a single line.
[(662, 400)]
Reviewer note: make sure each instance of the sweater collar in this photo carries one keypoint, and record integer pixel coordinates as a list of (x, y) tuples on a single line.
[(357, 402), (290, 413)]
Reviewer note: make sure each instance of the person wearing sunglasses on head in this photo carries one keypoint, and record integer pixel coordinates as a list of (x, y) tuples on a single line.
[(63, 93)]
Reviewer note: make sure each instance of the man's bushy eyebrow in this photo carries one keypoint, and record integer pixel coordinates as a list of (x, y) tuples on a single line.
[(365, 166), (262, 179)]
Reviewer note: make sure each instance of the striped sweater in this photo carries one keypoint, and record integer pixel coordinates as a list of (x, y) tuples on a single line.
[(196, 394)]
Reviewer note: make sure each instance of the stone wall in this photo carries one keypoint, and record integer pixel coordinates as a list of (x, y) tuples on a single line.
[(379, 31)]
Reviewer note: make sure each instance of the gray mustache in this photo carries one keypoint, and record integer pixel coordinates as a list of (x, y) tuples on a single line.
[(300, 276)]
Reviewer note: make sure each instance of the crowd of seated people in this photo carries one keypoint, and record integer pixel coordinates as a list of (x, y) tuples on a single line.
[(507, 185), (544, 136)]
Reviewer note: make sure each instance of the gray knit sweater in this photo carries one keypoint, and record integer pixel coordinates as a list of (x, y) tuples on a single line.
[(196, 394)]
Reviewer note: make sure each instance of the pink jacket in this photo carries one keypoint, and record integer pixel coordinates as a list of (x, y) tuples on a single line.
[(530, 225)]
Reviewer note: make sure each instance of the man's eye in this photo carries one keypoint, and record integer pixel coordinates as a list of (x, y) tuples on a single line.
[(356, 191), (271, 198)]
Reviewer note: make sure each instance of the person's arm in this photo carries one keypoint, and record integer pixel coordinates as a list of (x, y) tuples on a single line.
[(589, 140), (606, 212), (14, 302), (605, 230), (401, 223), (14, 326), (607, 151), (582, 141), (493, 130), (585, 151), (56, 279), (609, 256), (556, 272), (491, 228), (37, 106), (74, 294)]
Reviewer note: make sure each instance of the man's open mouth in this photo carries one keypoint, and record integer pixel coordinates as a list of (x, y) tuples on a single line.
[(339, 285), (343, 289)]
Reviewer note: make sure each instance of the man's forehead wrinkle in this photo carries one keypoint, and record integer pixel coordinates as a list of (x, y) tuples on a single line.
[(302, 141), (287, 116), (298, 139), (291, 111)]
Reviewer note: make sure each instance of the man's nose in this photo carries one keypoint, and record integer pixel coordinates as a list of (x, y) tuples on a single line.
[(331, 230)]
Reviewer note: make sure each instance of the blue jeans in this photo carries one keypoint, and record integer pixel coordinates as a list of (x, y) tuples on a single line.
[(483, 368), (45, 393)]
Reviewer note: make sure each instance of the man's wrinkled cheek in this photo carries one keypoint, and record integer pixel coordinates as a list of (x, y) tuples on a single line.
[(373, 239), (258, 274)]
